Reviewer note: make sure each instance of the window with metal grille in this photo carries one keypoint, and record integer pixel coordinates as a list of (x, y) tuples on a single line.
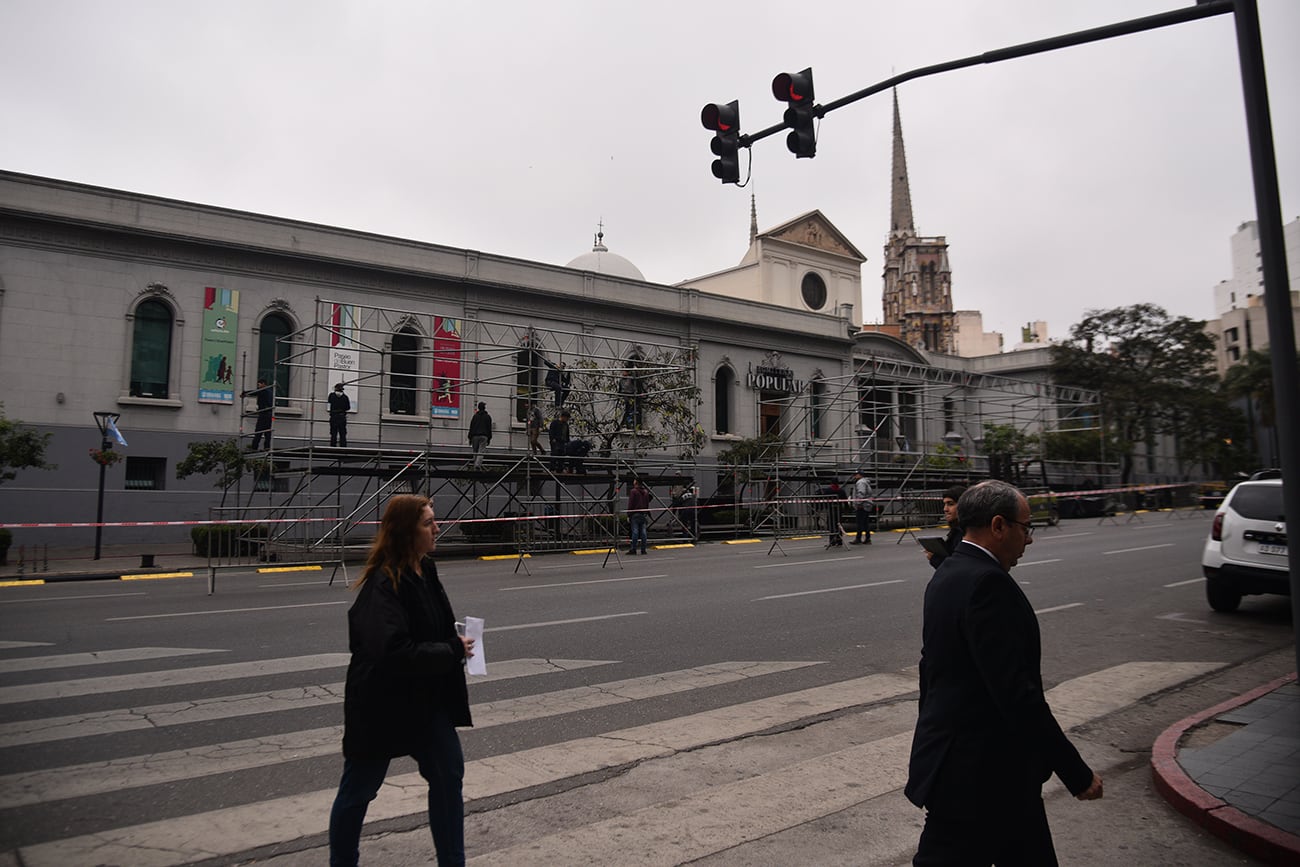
[(146, 474)]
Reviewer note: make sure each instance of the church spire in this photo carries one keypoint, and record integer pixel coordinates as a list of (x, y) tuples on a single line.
[(753, 218), (900, 210)]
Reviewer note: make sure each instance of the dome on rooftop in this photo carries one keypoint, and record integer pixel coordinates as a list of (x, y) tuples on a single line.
[(601, 261)]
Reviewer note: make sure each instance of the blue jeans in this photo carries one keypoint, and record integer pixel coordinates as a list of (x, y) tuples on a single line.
[(442, 764), (639, 523)]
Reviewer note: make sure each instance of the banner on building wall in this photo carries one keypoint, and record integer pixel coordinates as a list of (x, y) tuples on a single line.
[(445, 400), (217, 348), (344, 357)]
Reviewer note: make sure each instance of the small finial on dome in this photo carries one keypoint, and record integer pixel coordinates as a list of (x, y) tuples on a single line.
[(599, 246)]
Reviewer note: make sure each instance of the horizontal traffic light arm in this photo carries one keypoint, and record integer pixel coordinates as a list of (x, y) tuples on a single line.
[(1205, 9)]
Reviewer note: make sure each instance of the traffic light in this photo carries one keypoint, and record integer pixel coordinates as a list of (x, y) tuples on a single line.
[(796, 90), (724, 120)]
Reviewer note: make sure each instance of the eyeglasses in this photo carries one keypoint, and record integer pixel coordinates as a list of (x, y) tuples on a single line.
[(1028, 528)]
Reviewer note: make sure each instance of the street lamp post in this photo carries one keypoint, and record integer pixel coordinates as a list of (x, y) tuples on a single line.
[(102, 421)]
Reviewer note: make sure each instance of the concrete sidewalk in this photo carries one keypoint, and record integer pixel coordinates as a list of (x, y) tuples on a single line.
[(38, 563), (1235, 770)]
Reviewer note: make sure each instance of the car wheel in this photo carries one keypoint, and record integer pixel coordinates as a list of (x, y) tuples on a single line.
[(1221, 598)]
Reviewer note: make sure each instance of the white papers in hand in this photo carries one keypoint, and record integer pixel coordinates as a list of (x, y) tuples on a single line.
[(476, 664)]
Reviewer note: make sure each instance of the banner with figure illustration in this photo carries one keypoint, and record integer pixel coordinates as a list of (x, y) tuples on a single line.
[(344, 358), (217, 346), (445, 400)]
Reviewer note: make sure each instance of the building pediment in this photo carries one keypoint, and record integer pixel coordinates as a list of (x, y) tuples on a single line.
[(815, 231)]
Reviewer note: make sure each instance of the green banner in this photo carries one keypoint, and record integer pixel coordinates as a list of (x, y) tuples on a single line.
[(217, 349)]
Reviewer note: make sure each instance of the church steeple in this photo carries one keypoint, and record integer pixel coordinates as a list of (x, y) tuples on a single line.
[(753, 218), (900, 203)]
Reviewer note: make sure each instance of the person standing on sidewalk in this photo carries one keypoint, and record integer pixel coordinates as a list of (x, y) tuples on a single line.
[(638, 514), (862, 505), (985, 739), (405, 692), (950, 498), (480, 434)]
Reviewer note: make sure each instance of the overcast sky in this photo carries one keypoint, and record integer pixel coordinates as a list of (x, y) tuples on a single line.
[(1092, 177)]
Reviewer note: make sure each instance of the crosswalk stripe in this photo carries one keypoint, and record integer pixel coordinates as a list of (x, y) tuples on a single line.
[(100, 657), (171, 677), (94, 778), (756, 806), (223, 707), (232, 830), (687, 828), (13, 645), (690, 827)]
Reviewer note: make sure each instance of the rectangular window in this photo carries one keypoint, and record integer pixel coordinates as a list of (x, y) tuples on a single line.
[(276, 480), (146, 474)]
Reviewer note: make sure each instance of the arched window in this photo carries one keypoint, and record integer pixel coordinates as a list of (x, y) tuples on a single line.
[(273, 327), (528, 381), (817, 408), (151, 350), (723, 388), (403, 366)]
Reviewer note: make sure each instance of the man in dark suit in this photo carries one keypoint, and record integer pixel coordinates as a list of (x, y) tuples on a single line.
[(985, 739)]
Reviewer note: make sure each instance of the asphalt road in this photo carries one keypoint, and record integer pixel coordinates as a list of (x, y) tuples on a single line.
[(263, 658)]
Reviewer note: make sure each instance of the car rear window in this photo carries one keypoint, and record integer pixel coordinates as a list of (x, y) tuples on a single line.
[(1258, 502)]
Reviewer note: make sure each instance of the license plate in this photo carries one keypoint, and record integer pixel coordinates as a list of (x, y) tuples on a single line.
[(1273, 549)]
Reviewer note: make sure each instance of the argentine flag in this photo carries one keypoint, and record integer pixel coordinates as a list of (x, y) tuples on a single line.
[(117, 434)]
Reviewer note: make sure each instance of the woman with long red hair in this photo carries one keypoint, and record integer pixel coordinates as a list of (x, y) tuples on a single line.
[(405, 692)]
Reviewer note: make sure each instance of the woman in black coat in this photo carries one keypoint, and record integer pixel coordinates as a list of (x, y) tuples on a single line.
[(405, 690)]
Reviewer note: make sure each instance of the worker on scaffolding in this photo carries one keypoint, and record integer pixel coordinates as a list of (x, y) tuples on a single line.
[(559, 381), (535, 428), (480, 433), (559, 436)]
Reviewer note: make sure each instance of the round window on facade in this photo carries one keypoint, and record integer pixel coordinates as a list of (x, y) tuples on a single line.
[(814, 290)]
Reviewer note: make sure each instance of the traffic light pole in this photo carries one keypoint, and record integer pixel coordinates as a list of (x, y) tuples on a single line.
[(1110, 31), (1268, 211)]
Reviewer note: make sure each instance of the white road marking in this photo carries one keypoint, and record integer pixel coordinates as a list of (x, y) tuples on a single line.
[(1053, 538), (1038, 562), (229, 706), (1188, 581), (564, 622), (1057, 608), (173, 677), (117, 774), (226, 611), (808, 562), (1143, 548), (708, 821), (830, 590), (580, 583), (13, 645), (99, 657), (59, 598), (232, 830)]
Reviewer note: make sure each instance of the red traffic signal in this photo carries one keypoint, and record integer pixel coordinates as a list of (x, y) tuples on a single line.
[(795, 89), (724, 120)]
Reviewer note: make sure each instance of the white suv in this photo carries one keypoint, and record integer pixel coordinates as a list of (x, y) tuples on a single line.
[(1246, 552)]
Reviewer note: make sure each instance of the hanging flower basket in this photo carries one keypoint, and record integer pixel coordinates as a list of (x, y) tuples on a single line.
[(105, 457)]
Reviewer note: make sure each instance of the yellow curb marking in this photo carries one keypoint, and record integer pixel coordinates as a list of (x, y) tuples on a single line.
[(802, 538), (22, 582), (594, 551), (741, 541), (670, 547), (156, 575), (266, 569), (505, 556)]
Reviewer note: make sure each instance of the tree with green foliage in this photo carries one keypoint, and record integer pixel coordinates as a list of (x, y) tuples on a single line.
[(645, 404), (1155, 374), (1005, 445), (1251, 380), (223, 457), (21, 448)]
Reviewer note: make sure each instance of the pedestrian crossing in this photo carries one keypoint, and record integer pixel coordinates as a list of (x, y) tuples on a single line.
[(151, 783)]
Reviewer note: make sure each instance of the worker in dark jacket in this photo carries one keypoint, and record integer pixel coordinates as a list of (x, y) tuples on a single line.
[(558, 433), (480, 433), (405, 691)]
